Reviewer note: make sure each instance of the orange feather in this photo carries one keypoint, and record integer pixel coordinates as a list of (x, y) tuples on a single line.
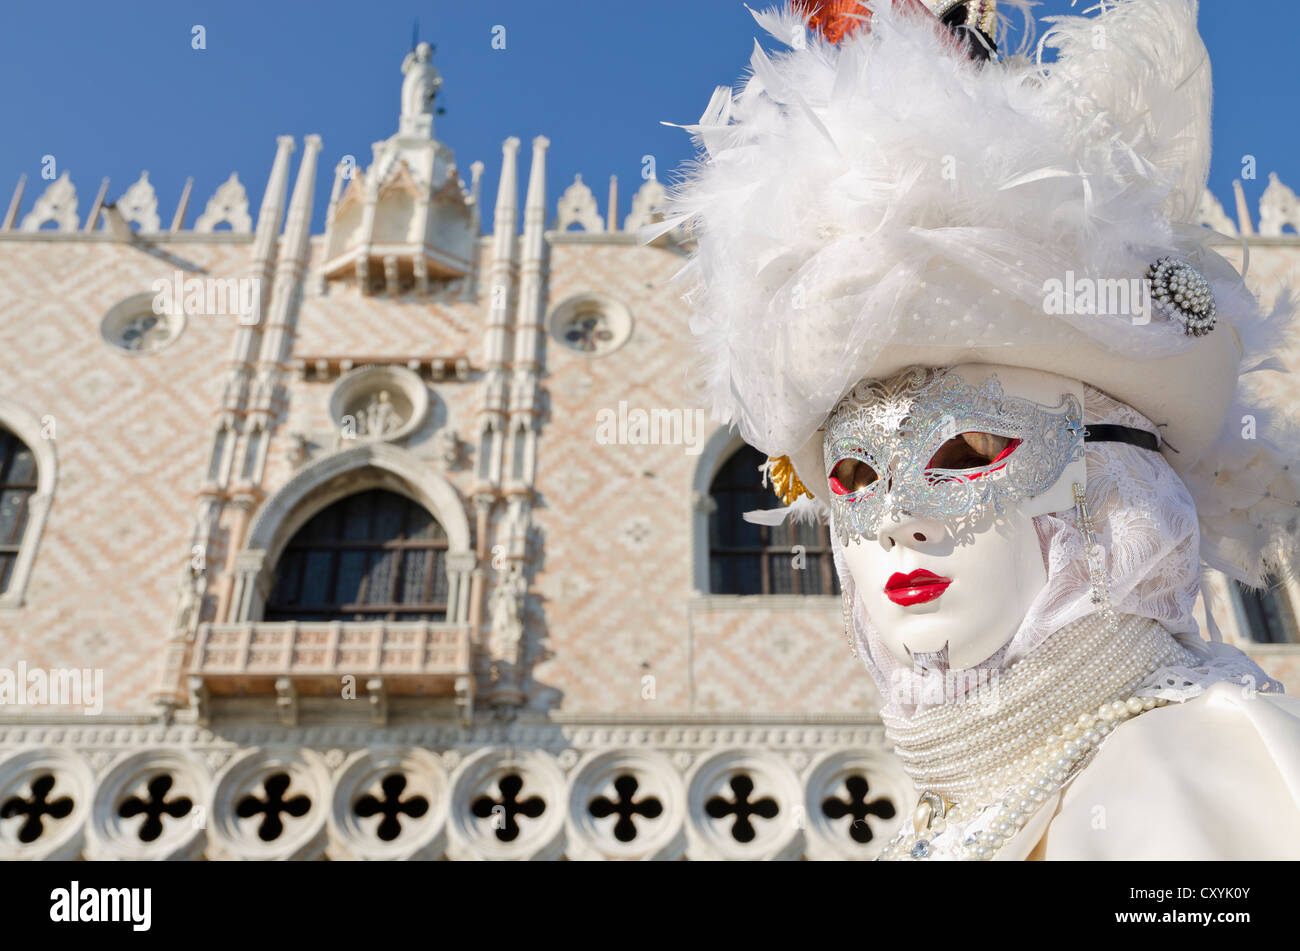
[(836, 19)]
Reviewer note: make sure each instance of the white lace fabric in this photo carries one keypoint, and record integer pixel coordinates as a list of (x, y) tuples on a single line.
[(1146, 523), (1218, 663)]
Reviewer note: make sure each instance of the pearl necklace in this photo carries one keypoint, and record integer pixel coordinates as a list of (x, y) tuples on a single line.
[(989, 761)]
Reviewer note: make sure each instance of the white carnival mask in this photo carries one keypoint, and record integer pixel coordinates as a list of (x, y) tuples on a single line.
[(934, 477)]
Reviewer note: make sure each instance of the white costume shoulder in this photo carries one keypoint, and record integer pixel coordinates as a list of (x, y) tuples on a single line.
[(1216, 777)]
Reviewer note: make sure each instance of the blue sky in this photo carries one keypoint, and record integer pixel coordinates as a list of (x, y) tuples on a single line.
[(110, 89)]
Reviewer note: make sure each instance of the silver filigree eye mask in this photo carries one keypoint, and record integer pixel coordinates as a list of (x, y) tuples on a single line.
[(898, 427)]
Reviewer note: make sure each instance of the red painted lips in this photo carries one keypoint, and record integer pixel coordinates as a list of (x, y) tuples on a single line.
[(916, 588)]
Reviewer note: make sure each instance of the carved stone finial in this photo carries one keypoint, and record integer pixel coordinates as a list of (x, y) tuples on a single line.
[(646, 203), (1212, 215), (57, 204), (140, 204), (1278, 207), (228, 204), (578, 206)]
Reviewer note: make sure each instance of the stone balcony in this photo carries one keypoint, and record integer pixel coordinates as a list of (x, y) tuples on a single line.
[(367, 660)]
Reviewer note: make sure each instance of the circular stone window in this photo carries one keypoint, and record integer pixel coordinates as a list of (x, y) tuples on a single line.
[(591, 324), (134, 325), (379, 403)]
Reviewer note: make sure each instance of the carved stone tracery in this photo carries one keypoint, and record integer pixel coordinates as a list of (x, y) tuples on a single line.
[(58, 203), (668, 792), (578, 207), (1279, 208), (139, 204), (228, 205)]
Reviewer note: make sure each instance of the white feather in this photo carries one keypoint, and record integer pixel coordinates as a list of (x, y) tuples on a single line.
[(885, 191)]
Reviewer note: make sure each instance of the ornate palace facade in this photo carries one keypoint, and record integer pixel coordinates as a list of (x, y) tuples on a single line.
[(405, 540)]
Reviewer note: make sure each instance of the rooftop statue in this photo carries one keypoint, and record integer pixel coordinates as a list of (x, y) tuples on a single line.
[(421, 84)]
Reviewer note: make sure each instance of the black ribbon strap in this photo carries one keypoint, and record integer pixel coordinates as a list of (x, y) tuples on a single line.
[(1106, 432)]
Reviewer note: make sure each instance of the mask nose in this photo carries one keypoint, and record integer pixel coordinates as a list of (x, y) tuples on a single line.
[(910, 531)]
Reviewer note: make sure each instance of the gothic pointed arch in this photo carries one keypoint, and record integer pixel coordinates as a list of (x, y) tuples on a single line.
[(736, 557), (28, 467), (399, 179), (372, 466), (721, 444)]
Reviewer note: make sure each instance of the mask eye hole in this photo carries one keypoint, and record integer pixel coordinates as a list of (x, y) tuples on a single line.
[(851, 475), (972, 451)]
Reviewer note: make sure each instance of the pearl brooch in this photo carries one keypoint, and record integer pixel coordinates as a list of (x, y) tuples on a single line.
[(1182, 293)]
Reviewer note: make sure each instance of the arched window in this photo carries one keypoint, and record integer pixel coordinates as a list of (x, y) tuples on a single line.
[(18, 483), (762, 559), (371, 556)]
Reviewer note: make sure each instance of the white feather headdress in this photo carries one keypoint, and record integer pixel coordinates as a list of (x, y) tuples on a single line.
[(890, 201)]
